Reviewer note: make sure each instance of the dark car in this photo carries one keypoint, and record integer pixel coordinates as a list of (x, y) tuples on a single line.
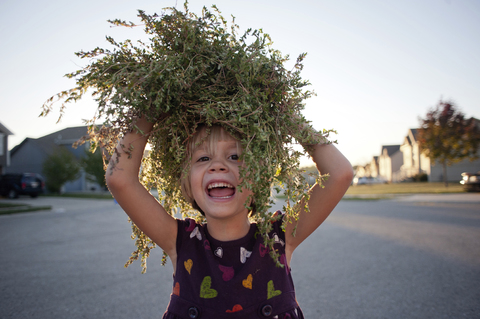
[(471, 182), (13, 185)]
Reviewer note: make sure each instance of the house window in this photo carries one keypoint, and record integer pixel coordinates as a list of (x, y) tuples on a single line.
[(2, 143)]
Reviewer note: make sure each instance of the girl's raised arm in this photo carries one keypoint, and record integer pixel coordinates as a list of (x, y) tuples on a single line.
[(328, 160), (123, 181)]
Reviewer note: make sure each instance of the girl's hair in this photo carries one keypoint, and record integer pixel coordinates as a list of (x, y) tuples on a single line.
[(206, 137)]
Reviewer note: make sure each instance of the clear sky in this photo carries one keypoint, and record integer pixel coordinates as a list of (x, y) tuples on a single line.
[(376, 65)]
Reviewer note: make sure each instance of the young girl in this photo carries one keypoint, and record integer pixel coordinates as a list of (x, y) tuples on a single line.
[(221, 268)]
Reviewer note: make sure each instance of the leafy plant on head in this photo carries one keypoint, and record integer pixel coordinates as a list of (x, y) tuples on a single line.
[(196, 70)]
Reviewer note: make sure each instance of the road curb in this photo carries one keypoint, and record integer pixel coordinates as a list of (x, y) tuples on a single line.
[(436, 198)]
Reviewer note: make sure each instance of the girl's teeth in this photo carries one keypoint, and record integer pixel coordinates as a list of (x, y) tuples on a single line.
[(215, 185), (221, 190)]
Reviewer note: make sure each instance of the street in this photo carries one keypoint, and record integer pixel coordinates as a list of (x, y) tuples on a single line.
[(396, 258)]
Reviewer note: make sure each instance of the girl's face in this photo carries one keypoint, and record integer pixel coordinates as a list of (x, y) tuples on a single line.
[(214, 177)]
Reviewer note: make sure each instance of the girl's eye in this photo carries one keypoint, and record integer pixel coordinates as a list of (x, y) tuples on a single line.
[(203, 159), (235, 157)]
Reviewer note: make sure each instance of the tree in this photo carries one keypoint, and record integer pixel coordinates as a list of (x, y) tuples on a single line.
[(59, 168), (92, 163), (447, 137)]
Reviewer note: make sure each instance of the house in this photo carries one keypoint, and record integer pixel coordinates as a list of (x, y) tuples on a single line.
[(369, 170), (454, 171), (389, 162), (360, 171), (398, 163), (415, 162), (373, 168), (30, 154), (4, 153)]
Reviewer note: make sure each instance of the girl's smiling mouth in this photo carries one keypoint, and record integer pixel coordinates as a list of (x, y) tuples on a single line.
[(220, 190)]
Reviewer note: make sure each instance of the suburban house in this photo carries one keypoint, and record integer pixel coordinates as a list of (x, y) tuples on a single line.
[(389, 162), (399, 163), (4, 153), (369, 170), (454, 171), (29, 155), (415, 162), (373, 168)]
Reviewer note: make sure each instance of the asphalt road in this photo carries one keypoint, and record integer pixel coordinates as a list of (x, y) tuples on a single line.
[(410, 257)]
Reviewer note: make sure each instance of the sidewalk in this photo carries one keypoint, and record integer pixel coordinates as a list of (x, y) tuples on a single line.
[(435, 198), (441, 198)]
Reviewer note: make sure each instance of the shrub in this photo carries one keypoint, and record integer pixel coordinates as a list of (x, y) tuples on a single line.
[(59, 168)]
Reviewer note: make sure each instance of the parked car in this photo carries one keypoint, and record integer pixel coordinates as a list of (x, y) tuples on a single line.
[(13, 185), (471, 182), (368, 180)]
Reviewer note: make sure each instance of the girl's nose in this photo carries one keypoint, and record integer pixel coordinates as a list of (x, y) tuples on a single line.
[(218, 166)]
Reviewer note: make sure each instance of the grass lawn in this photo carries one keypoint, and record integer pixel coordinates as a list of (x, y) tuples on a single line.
[(405, 188), (104, 195), (8, 208)]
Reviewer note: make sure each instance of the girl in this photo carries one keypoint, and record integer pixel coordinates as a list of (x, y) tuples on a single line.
[(221, 268)]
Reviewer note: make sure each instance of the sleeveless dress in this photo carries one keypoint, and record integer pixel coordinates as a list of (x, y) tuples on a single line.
[(231, 280)]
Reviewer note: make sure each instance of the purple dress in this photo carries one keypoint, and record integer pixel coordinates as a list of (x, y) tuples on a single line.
[(234, 279)]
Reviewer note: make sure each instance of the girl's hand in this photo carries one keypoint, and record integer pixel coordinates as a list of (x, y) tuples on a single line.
[(308, 136)]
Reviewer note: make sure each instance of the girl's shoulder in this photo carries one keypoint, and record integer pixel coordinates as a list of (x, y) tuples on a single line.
[(188, 222), (187, 230)]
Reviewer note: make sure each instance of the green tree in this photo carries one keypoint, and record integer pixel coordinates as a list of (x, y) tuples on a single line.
[(92, 163), (59, 168), (447, 137)]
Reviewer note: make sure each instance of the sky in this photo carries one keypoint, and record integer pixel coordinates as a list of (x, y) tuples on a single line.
[(377, 66)]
